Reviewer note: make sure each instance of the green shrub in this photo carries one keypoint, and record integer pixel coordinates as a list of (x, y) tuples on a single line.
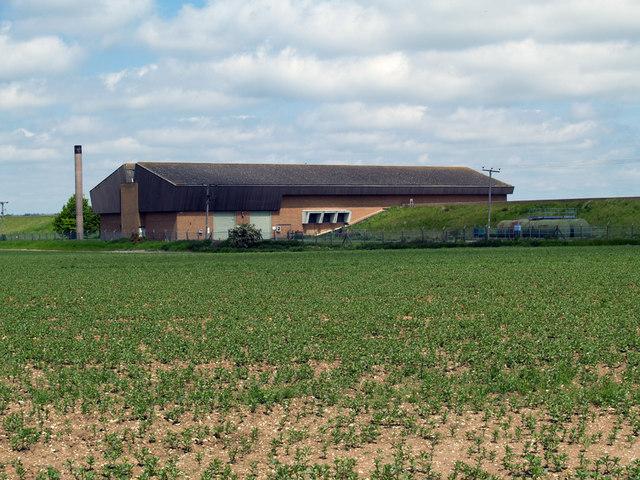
[(244, 235)]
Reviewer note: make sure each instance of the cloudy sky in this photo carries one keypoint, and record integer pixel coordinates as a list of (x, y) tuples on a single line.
[(548, 90)]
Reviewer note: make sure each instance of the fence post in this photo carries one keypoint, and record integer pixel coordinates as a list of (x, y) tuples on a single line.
[(608, 230)]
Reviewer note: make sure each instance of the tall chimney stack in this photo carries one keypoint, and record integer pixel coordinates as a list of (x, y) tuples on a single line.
[(79, 202)]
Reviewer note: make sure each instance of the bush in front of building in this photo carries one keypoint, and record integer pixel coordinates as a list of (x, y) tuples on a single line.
[(245, 235)]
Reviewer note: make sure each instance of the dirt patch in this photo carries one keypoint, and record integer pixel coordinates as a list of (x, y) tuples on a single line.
[(248, 442)]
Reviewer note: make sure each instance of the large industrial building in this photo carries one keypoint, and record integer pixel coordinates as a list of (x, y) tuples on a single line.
[(183, 200)]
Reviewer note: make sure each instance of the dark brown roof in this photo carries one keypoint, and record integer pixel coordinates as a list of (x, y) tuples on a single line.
[(181, 187), (316, 175)]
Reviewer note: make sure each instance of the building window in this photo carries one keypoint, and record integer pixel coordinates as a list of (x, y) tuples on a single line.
[(326, 216), (313, 217)]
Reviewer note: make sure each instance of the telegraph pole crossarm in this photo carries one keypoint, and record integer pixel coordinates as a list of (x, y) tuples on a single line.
[(491, 172)]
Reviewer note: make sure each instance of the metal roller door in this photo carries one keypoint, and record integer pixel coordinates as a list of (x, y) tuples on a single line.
[(222, 222), (262, 220)]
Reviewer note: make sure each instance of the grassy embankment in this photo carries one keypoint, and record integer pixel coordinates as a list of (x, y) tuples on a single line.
[(596, 212), (615, 212), (28, 224)]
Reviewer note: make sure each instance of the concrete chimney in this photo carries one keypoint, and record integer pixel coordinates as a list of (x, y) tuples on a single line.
[(79, 202)]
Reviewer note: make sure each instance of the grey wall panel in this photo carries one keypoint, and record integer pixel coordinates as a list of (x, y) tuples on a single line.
[(222, 222), (261, 220)]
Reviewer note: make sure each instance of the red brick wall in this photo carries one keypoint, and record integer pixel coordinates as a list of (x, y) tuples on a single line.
[(189, 224), (159, 222), (110, 222), (361, 207), (185, 224)]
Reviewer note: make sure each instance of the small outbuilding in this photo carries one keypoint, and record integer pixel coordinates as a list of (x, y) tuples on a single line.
[(183, 200)]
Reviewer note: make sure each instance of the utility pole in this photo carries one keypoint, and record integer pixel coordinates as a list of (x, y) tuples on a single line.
[(3, 235), (206, 222), (491, 171)]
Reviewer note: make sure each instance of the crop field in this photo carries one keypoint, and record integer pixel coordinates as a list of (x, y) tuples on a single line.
[(413, 364)]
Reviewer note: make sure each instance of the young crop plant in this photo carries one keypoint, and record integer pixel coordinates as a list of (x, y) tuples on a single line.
[(50, 473), (337, 354), (21, 436)]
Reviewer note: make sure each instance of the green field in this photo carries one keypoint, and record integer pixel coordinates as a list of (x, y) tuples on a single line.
[(463, 363)]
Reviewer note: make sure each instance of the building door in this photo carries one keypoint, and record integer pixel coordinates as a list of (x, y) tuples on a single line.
[(262, 220), (222, 222)]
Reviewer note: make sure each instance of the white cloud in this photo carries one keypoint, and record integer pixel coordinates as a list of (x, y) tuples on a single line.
[(16, 154), (291, 75), (528, 69), (38, 56), (505, 127), (462, 125), (83, 126), (104, 155), (359, 116), (22, 95), (463, 50), (515, 71), (359, 27), (210, 135), (125, 146), (103, 18), (24, 132), (583, 110), (164, 98), (112, 80), (226, 25), (47, 7)]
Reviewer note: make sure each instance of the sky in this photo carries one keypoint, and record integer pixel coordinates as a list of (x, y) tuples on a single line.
[(547, 91)]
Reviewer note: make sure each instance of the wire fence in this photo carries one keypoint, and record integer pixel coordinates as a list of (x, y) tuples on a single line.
[(28, 236), (351, 235), (473, 234)]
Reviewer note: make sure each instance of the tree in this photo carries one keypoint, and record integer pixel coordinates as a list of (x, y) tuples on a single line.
[(65, 221), (244, 236)]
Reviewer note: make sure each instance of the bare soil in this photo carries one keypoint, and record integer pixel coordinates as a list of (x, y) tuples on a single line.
[(303, 429)]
